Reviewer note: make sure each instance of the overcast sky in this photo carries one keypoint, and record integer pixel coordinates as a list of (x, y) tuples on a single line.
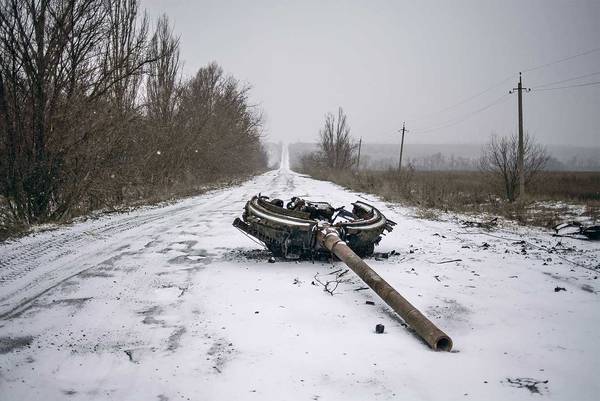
[(389, 61)]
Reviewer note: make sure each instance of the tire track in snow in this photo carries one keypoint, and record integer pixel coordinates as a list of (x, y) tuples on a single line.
[(33, 265)]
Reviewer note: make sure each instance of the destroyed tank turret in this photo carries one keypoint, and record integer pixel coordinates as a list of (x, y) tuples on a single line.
[(290, 231)]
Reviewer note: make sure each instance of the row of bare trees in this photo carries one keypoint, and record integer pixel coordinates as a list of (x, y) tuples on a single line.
[(94, 112)]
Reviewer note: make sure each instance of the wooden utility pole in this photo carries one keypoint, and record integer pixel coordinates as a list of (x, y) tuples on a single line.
[(358, 159), (521, 150), (401, 147)]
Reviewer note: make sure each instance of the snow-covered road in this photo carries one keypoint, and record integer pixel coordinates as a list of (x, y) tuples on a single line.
[(173, 303)]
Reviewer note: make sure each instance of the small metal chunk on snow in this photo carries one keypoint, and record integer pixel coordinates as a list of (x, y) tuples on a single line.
[(449, 261), (379, 328)]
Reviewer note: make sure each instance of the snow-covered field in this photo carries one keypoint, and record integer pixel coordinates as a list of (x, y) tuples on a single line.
[(172, 303)]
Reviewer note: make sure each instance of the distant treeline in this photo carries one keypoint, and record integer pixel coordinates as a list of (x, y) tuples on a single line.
[(94, 112), (451, 157)]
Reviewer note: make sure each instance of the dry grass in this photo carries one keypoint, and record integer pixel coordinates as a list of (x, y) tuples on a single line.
[(578, 186)]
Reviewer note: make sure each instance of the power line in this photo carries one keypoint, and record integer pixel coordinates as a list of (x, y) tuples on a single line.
[(499, 83), (451, 123), (567, 87), (461, 102), (585, 53), (567, 80)]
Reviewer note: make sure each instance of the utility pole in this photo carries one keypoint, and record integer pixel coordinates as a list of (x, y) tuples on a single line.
[(521, 154), (401, 147), (358, 160)]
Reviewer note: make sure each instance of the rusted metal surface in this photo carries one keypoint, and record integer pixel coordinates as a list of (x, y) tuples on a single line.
[(437, 339)]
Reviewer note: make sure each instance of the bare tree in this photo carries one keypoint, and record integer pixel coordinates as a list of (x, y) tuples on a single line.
[(499, 159), (336, 145), (163, 74), (216, 129), (34, 40), (63, 63), (127, 51)]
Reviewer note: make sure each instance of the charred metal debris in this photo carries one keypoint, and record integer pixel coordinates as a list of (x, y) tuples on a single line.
[(291, 231), (575, 229)]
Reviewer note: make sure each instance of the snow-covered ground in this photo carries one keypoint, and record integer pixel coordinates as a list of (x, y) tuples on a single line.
[(172, 303)]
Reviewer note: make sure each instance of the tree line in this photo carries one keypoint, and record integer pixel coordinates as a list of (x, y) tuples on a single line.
[(94, 111)]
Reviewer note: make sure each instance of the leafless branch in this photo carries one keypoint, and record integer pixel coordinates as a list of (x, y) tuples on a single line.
[(330, 286)]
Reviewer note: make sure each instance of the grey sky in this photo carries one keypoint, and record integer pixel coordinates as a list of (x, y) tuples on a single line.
[(389, 61)]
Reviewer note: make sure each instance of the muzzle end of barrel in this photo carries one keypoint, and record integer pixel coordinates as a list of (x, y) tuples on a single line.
[(443, 344)]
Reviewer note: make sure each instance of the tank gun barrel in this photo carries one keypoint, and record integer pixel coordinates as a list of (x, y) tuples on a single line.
[(329, 238)]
